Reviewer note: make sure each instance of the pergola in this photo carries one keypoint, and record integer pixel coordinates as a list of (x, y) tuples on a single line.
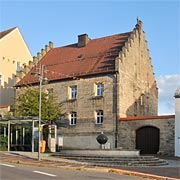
[(19, 122)]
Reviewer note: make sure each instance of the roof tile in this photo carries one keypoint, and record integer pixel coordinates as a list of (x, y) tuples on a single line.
[(134, 118), (98, 56), (4, 33)]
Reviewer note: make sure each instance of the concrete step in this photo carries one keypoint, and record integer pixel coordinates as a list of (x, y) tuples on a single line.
[(115, 161)]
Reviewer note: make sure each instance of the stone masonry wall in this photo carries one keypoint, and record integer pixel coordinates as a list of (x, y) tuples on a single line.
[(127, 133), (86, 105), (138, 93)]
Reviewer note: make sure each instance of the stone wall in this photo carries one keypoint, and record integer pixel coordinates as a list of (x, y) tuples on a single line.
[(138, 93), (86, 141), (84, 133), (128, 128)]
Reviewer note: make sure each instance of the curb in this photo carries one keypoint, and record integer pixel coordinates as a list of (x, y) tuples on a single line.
[(99, 169), (143, 175), (95, 168)]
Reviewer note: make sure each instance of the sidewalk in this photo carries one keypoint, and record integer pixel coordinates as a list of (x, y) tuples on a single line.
[(167, 172)]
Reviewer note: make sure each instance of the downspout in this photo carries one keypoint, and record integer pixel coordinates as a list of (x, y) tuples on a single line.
[(9, 134), (117, 99), (117, 109)]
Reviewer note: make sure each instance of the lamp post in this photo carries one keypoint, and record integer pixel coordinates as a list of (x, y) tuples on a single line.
[(41, 76)]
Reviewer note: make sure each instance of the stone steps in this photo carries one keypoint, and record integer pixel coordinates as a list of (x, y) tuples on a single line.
[(115, 161)]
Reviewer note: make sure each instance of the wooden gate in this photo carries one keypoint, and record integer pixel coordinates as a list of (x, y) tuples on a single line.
[(147, 140)]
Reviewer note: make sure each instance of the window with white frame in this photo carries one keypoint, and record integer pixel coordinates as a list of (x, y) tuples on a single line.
[(73, 117), (73, 92), (99, 117), (99, 89), (1, 79)]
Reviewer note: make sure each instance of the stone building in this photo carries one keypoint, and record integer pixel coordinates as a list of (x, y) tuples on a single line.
[(100, 81)]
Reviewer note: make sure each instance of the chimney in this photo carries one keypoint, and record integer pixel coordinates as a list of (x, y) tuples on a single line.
[(83, 39)]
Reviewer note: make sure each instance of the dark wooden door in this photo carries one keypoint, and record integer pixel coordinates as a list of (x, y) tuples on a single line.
[(147, 140)]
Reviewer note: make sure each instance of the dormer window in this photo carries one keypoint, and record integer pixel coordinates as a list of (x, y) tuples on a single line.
[(80, 56)]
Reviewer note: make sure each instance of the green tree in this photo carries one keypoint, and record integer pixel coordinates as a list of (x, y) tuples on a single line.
[(27, 104)]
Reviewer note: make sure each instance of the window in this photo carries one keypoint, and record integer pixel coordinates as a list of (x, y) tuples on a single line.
[(19, 67), (99, 117), (142, 100), (73, 117), (1, 80), (73, 93), (99, 89)]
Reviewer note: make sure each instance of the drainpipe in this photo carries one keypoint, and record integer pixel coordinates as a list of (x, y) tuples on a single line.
[(9, 134), (117, 108)]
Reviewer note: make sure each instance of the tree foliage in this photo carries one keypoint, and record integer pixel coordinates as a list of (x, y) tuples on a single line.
[(27, 104)]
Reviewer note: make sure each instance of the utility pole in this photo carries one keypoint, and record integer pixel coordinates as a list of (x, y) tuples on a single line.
[(41, 75)]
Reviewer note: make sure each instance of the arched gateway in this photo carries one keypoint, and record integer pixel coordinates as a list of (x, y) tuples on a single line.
[(147, 140)]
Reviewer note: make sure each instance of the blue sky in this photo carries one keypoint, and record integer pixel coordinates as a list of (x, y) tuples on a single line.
[(42, 21)]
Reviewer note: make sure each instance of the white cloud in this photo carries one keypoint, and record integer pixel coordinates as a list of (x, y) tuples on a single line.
[(167, 85)]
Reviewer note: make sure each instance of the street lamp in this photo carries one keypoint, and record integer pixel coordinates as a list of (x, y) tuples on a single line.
[(41, 75)]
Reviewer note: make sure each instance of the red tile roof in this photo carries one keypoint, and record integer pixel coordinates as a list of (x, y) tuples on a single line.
[(98, 56), (134, 118), (4, 106), (4, 33)]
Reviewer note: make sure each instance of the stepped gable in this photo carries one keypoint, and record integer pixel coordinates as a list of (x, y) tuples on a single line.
[(87, 57)]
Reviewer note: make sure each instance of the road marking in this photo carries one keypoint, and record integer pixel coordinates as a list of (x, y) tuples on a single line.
[(44, 173), (7, 165)]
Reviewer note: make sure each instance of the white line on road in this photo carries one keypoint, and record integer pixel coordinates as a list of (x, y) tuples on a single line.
[(44, 173), (7, 165)]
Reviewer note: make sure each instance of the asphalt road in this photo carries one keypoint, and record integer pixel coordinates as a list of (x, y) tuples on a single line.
[(16, 171)]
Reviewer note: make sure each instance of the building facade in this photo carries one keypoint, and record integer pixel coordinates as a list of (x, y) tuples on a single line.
[(99, 81), (14, 55), (149, 134)]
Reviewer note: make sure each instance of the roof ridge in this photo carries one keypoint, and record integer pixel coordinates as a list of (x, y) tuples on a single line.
[(112, 35), (98, 57), (74, 44)]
